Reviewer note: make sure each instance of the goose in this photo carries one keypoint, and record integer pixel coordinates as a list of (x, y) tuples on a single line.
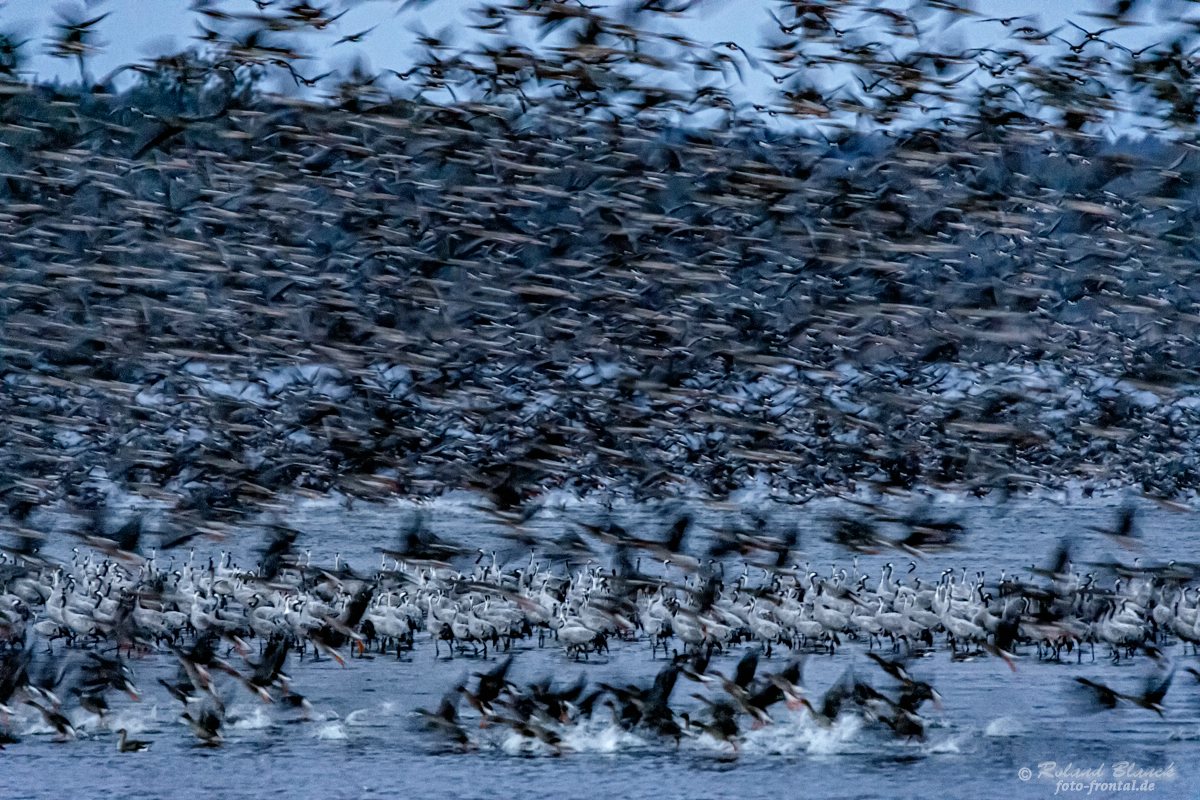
[(1150, 698), (786, 685), (833, 700), (205, 726), (722, 724), (445, 720), (489, 687), (56, 720), (127, 745)]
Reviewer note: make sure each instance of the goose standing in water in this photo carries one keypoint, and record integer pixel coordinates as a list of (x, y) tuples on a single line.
[(127, 745)]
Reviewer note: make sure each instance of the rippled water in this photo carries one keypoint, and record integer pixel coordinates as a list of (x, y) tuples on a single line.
[(364, 741)]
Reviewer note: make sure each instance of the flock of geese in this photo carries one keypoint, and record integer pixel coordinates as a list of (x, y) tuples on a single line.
[(524, 267), (70, 632), (217, 298)]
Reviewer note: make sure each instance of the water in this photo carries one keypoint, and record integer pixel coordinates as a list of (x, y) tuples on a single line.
[(364, 741)]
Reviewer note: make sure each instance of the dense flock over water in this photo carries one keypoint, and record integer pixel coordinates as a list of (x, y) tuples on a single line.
[(584, 407), (453, 641)]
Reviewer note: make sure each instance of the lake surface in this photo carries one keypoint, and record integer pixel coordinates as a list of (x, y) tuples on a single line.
[(364, 740)]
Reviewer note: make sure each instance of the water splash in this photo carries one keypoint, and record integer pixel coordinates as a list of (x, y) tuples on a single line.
[(256, 720), (1004, 726), (332, 732)]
